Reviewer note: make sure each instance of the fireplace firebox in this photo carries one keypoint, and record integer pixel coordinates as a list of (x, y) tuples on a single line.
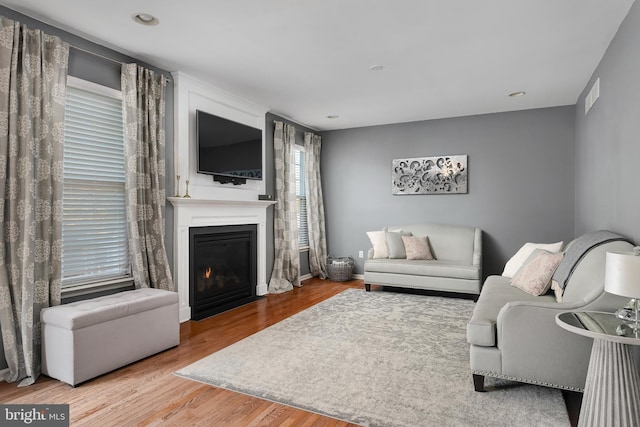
[(223, 268)]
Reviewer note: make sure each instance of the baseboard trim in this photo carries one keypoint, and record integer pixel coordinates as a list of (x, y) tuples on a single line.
[(309, 276)]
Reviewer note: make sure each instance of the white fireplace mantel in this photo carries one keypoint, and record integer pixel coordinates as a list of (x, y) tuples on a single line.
[(198, 212)]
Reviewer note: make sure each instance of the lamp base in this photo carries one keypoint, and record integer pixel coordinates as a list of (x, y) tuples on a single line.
[(631, 314)]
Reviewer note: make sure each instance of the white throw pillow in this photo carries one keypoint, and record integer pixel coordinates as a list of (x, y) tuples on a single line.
[(379, 242), (513, 265)]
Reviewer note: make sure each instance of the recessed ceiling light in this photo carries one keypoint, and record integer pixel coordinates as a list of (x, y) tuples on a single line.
[(517, 94), (145, 19), (333, 116), (376, 67)]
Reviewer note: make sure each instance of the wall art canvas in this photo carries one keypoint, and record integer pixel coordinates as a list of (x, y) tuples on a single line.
[(430, 175)]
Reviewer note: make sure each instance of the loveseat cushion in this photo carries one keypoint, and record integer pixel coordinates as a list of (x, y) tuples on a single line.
[(496, 292), (434, 268)]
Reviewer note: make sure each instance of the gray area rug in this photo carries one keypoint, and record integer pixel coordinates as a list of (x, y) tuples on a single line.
[(377, 359)]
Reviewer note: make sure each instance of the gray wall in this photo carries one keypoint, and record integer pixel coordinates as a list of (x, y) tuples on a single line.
[(608, 139), (520, 180)]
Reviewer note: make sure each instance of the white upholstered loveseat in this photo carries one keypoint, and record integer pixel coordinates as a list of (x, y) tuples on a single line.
[(457, 266)]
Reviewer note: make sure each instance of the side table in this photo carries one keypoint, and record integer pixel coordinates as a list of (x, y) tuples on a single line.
[(612, 388)]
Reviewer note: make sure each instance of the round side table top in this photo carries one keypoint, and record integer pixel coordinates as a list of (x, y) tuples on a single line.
[(599, 325)]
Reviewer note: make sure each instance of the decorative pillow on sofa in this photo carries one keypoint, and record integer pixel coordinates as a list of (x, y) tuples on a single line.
[(395, 245), (379, 242), (417, 247), (513, 265), (534, 277)]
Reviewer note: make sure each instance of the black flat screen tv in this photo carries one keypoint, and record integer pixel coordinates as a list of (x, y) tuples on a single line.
[(228, 149)]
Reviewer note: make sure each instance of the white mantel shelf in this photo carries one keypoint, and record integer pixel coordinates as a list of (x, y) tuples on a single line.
[(182, 201), (200, 212)]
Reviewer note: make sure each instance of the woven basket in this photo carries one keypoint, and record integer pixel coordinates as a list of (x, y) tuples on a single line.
[(340, 269)]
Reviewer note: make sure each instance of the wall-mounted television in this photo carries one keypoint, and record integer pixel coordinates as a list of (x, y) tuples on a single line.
[(228, 150)]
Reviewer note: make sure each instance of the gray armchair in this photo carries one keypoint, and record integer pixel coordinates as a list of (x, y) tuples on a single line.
[(514, 335)]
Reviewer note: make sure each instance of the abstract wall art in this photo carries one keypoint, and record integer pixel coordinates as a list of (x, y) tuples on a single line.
[(430, 175)]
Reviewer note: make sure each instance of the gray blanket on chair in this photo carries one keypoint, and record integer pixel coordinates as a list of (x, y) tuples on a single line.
[(578, 249)]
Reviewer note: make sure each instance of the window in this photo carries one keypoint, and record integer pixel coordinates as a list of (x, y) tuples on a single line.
[(94, 229), (301, 197)]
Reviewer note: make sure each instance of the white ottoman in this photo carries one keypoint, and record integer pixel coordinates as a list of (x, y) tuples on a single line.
[(84, 339)]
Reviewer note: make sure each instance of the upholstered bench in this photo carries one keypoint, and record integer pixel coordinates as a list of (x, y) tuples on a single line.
[(84, 339)]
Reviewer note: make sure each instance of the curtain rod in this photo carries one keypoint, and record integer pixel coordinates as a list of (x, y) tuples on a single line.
[(115, 61), (97, 55), (295, 124), (286, 123)]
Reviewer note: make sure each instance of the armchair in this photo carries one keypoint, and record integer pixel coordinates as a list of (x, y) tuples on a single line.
[(514, 335)]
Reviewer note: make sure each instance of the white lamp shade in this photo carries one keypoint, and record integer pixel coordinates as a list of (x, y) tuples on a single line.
[(622, 274)]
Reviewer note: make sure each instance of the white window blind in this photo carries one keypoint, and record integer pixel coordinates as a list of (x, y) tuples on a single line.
[(301, 197), (94, 230)]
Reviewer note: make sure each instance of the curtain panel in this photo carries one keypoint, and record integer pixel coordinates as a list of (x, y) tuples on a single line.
[(315, 206), (286, 264), (33, 72), (144, 112)]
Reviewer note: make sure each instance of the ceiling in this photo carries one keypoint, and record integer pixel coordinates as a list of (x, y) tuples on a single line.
[(309, 59)]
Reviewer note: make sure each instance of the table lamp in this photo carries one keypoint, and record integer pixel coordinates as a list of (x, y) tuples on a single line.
[(622, 277)]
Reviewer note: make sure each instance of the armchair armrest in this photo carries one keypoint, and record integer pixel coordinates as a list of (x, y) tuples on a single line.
[(535, 348), (519, 316)]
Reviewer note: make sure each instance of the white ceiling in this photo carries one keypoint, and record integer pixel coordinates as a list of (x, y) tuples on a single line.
[(306, 59)]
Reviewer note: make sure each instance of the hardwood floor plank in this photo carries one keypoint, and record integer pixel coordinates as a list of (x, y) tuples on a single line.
[(146, 393)]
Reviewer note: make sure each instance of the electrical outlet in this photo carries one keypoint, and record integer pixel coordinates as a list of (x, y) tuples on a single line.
[(361, 254)]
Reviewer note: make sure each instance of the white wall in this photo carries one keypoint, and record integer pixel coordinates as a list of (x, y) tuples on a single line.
[(190, 95)]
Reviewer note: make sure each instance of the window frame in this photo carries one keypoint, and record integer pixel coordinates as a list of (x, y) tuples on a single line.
[(106, 284), (303, 246)]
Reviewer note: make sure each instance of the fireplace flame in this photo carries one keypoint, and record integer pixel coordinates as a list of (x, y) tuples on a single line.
[(207, 273)]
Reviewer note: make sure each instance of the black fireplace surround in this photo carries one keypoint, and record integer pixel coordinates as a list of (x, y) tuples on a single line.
[(222, 268)]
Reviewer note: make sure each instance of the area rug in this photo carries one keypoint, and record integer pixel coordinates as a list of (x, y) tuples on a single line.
[(377, 359)]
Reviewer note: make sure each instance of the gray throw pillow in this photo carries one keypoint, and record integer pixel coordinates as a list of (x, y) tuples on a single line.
[(395, 244)]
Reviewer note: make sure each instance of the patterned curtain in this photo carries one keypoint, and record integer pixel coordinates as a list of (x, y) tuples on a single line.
[(144, 95), (315, 206), (286, 265), (33, 67)]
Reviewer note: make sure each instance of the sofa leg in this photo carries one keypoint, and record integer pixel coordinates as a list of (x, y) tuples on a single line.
[(478, 382), (367, 287)]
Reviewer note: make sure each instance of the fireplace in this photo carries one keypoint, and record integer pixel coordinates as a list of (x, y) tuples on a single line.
[(223, 268)]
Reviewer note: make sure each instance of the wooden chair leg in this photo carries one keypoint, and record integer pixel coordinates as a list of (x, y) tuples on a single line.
[(367, 287), (478, 382)]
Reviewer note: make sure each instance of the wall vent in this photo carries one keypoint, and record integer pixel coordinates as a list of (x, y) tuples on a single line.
[(592, 96)]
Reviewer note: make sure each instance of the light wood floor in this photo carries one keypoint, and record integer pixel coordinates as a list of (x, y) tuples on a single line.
[(147, 392)]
